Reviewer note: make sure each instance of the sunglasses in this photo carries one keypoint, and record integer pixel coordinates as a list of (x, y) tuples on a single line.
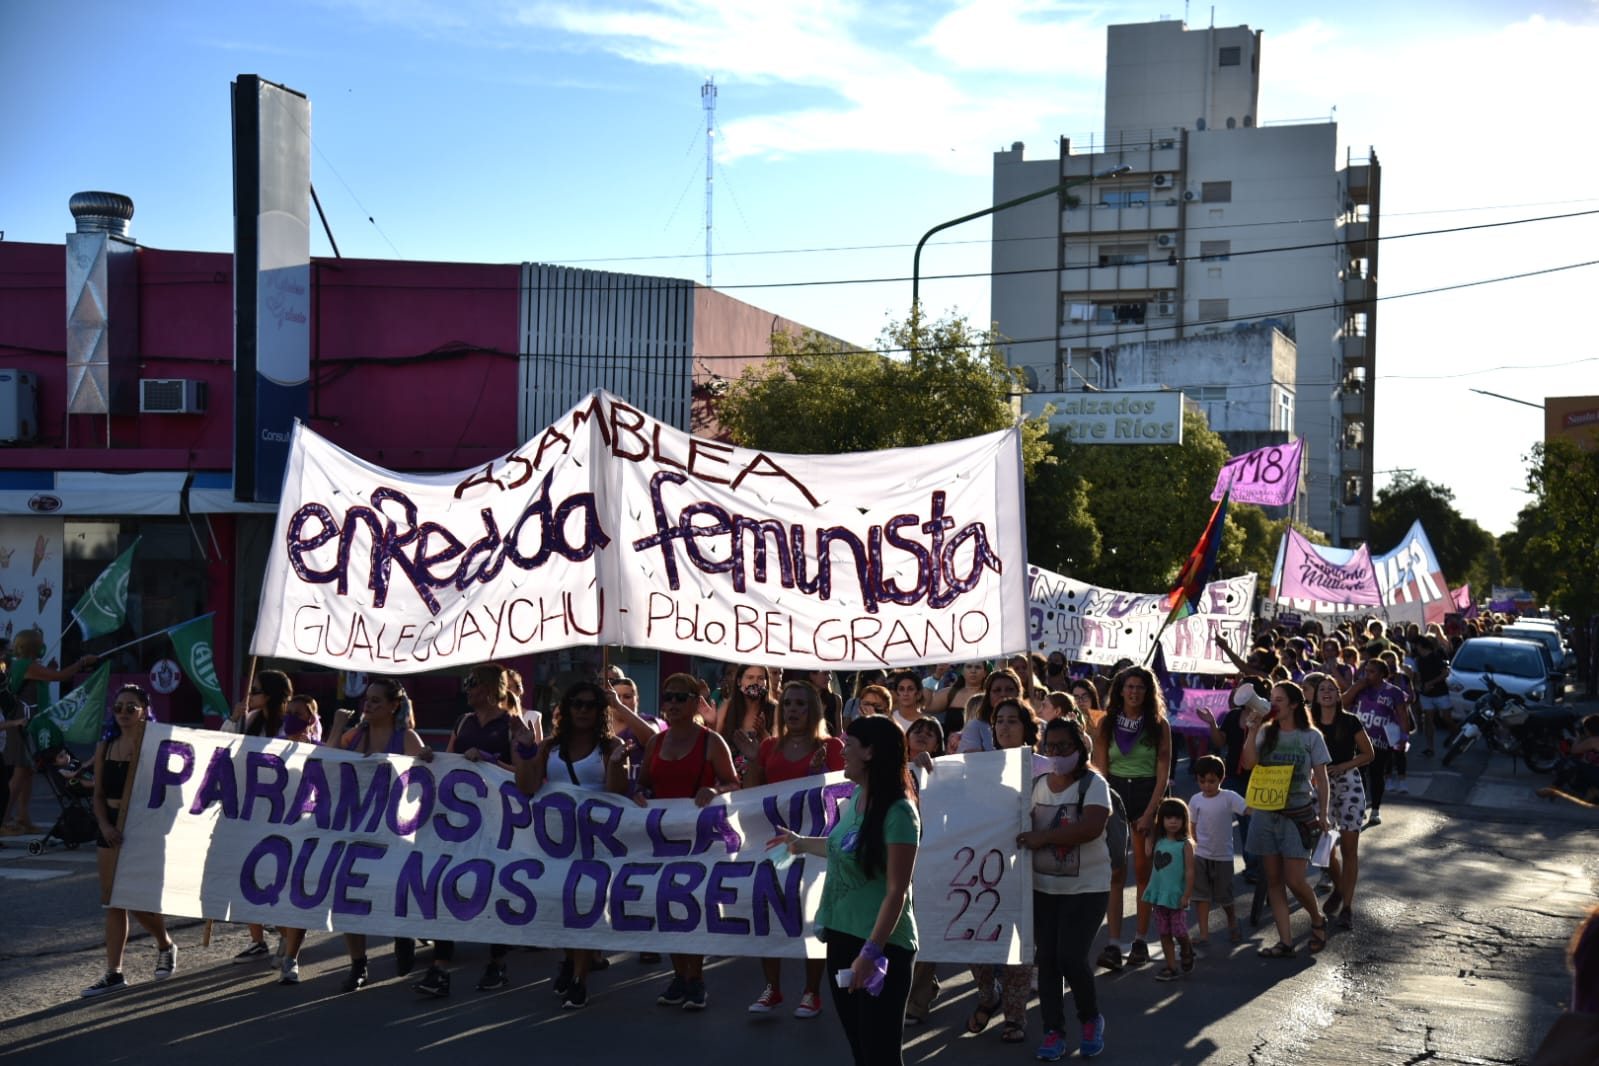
[(1065, 748), (586, 705), (676, 697), (120, 707), (878, 707)]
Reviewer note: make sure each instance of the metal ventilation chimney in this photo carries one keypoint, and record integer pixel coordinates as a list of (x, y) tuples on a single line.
[(102, 306)]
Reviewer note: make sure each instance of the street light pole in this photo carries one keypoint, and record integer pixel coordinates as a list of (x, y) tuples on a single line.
[(1512, 399), (916, 265)]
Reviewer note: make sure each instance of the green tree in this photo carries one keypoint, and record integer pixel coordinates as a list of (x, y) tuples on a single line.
[(1456, 540), (1554, 548), (1061, 533), (930, 383)]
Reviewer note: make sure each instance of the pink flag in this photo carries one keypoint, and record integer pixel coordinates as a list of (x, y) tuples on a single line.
[(1463, 601), (1309, 575), (1268, 476)]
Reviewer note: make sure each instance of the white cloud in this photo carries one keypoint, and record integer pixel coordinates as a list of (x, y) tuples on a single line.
[(1043, 37)]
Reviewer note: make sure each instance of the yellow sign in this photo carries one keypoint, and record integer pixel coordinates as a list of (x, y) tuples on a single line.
[(1268, 787)]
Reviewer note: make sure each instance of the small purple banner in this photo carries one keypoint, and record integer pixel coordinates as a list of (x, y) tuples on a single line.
[(1267, 476), (1185, 719)]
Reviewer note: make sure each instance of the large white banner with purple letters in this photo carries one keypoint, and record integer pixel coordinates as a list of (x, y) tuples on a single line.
[(244, 829), (612, 528), (1090, 624)]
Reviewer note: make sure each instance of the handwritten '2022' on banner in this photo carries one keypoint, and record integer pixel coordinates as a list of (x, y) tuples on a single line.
[(1267, 476), (249, 829)]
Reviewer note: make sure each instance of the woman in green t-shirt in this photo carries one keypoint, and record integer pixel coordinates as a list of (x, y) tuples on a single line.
[(865, 913)]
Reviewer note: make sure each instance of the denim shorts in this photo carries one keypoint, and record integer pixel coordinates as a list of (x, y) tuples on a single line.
[(1272, 834)]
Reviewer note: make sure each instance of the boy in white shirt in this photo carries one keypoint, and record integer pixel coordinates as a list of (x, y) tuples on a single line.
[(1214, 809)]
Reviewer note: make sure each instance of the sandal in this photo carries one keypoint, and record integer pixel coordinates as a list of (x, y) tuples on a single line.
[(1278, 950), (1013, 1033), (1334, 903), (1346, 920), (1318, 937), (1187, 955), (980, 1018)]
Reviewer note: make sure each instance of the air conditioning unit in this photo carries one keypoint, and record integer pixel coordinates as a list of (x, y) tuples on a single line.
[(171, 396), (1166, 240), (1189, 195), (1162, 181), (1165, 310), (1164, 296)]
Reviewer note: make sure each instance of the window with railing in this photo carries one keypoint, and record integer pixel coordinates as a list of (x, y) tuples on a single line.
[(1123, 254), (1124, 197)]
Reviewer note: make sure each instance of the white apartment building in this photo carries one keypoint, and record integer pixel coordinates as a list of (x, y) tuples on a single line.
[(1217, 223)]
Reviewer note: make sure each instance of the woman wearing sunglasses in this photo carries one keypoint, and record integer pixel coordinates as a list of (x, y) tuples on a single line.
[(800, 749), (582, 753), (685, 761), (112, 758)]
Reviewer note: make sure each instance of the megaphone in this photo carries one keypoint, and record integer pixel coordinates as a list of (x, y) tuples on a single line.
[(1245, 697)]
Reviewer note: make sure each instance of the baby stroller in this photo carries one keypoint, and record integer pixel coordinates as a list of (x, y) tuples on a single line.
[(72, 783)]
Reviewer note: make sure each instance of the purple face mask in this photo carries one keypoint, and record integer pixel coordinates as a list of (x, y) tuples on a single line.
[(294, 725)]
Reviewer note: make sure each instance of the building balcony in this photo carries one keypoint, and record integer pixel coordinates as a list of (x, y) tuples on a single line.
[(1358, 237), (1359, 289), (1357, 179), (1130, 277), (1158, 214), (1352, 460), (1352, 405), (1357, 351)]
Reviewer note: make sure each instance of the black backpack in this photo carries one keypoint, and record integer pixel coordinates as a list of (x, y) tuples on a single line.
[(1116, 831)]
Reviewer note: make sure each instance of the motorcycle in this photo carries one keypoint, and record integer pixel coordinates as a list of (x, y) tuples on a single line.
[(1510, 727)]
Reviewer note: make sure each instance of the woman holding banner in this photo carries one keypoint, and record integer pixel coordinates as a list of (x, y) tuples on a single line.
[(385, 727), (113, 757), (1133, 751), (1014, 727), (1286, 756), (865, 913), (685, 761), (302, 725), (800, 749), (584, 753), (261, 714), (748, 715)]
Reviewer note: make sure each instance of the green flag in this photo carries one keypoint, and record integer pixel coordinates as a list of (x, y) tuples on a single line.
[(104, 606), (75, 718), (193, 642)]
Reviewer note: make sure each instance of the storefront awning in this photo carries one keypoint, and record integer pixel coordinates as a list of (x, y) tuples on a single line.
[(83, 492)]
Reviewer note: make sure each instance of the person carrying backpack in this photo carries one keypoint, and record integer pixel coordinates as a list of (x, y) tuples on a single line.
[(1072, 806)]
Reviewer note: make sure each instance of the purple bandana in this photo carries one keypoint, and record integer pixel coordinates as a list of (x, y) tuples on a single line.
[(1128, 730)]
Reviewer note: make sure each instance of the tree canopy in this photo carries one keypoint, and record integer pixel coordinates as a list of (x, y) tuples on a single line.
[(1554, 548), (1456, 540)]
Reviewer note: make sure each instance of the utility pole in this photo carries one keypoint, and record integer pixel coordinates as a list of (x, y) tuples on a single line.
[(708, 101)]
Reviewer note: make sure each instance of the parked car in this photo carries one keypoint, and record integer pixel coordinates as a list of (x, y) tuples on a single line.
[(1549, 638), (1520, 667)]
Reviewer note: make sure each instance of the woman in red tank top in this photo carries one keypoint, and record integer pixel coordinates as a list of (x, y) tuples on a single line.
[(685, 761)]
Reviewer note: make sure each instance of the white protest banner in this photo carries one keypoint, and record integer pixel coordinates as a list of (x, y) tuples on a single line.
[(1268, 476), (612, 528), (247, 829), (1090, 624)]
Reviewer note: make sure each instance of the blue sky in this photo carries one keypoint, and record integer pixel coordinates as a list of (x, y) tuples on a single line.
[(573, 133)]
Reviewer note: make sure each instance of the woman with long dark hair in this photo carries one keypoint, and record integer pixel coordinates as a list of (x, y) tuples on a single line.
[(581, 752), (865, 913), (112, 759), (951, 702), (1284, 837), (384, 728), (800, 749), (748, 715), (261, 714), (1133, 750), (910, 698), (977, 731)]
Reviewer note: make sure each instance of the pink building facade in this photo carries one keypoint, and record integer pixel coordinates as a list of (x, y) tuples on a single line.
[(414, 366)]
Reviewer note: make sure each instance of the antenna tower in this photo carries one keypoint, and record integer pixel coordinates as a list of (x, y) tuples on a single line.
[(708, 101)]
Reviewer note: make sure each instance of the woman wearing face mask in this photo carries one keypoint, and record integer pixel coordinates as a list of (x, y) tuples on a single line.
[(800, 749), (1014, 727), (384, 727), (685, 761), (748, 716), (1071, 885)]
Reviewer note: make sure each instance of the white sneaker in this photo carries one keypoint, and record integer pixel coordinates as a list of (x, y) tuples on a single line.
[(291, 971)]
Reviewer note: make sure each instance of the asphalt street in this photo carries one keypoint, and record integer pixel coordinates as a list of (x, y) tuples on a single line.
[(1470, 889)]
